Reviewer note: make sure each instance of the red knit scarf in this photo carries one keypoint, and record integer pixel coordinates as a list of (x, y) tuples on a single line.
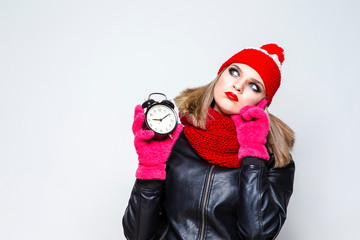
[(217, 144)]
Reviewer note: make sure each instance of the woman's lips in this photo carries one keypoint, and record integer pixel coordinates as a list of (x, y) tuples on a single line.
[(232, 96)]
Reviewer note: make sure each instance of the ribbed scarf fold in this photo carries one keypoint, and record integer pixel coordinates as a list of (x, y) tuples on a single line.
[(218, 143)]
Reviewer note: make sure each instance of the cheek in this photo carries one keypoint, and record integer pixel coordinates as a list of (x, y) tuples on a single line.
[(251, 98), (219, 88), (221, 83)]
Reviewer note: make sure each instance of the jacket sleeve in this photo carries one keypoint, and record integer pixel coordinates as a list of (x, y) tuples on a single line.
[(264, 195), (142, 218)]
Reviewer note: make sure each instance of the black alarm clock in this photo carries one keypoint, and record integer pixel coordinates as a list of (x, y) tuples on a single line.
[(160, 117)]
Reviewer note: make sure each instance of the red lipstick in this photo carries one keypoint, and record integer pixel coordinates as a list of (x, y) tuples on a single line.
[(232, 96)]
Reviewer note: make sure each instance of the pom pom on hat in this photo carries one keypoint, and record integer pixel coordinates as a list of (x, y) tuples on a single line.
[(266, 61), (272, 49)]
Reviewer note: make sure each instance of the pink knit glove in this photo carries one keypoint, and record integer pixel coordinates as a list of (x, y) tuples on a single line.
[(252, 128), (153, 154)]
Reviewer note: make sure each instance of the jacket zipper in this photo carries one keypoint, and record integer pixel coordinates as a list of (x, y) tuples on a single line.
[(204, 202)]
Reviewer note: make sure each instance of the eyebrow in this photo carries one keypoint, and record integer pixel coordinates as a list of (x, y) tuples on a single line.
[(253, 79)]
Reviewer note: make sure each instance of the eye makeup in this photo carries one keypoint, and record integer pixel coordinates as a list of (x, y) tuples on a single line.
[(254, 87), (234, 72), (254, 84)]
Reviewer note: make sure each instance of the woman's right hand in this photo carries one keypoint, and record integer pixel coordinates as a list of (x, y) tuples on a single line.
[(153, 154)]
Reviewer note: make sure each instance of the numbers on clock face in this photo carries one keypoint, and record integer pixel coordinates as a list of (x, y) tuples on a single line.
[(161, 119)]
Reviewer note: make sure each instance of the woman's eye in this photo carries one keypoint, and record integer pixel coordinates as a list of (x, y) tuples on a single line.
[(234, 72), (254, 87)]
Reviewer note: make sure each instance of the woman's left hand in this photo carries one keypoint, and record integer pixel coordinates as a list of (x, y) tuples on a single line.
[(252, 128)]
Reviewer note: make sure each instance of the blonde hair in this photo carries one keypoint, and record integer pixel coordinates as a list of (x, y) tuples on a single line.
[(193, 104)]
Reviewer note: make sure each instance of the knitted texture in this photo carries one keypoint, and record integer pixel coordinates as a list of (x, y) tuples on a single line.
[(266, 61), (218, 143)]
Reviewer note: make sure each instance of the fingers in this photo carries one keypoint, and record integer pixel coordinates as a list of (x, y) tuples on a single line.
[(245, 109), (138, 124), (250, 112), (144, 134), (138, 109), (253, 114), (138, 120), (262, 104)]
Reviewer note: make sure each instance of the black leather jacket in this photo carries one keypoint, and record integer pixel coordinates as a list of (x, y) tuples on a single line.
[(199, 200)]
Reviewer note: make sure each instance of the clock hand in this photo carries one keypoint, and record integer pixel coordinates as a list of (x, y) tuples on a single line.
[(165, 117)]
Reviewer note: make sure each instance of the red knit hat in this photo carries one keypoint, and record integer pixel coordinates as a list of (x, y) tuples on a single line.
[(266, 61)]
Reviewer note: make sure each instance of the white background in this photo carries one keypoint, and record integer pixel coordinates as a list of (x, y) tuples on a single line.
[(71, 73)]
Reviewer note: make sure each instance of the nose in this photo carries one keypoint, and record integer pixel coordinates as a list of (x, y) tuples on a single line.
[(237, 86)]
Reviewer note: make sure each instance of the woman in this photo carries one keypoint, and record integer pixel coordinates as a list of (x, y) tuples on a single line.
[(229, 173)]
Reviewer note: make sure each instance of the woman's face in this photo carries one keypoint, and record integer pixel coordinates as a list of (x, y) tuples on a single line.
[(238, 86)]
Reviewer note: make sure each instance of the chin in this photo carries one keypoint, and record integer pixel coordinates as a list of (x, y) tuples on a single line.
[(226, 106), (227, 111)]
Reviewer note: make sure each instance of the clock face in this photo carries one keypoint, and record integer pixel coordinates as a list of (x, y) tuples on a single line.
[(161, 119)]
